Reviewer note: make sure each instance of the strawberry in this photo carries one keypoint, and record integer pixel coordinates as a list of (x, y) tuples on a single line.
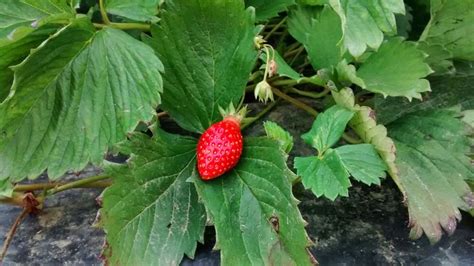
[(220, 146)]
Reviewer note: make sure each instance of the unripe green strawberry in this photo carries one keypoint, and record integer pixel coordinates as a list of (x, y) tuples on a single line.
[(219, 148)]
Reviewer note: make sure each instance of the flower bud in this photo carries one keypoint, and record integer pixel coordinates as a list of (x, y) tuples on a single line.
[(263, 91), (272, 68), (259, 41)]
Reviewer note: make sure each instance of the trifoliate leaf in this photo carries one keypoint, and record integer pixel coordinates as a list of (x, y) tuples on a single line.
[(274, 131), (253, 209), (321, 34), (73, 97), (266, 9), (396, 69), (431, 148), (151, 214), (20, 17), (365, 22), (363, 163), (207, 58), (328, 174), (451, 26), (328, 128), (13, 52), (364, 124), (324, 175), (143, 10)]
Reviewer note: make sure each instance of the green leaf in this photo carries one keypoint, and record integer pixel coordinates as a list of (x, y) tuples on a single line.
[(51, 6), (255, 214), (143, 10), (328, 174), (6, 188), (266, 9), (320, 32), (207, 59), (363, 162), (313, 2), (18, 18), (439, 58), (324, 175), (404, 22), (274, 131), (14, 52), (151, 214), (76, 95), (396, 69), (365, 22), (431, 148), (328, 128), (447, 91), (468, 118), (300, 21), (451, 26)]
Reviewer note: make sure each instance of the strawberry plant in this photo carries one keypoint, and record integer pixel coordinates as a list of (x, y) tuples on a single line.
[(82, 79)]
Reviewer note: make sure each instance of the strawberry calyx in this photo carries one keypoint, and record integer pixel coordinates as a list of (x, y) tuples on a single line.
[(231, 114)]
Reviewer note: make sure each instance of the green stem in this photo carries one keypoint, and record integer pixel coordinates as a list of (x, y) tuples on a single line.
[(124, 26), (46, 186), (292, 49), (299, 51), (295, 102), (103, 12), (277, 26), (314, 95), (259, 115), (16, 199), (76, 184), (284, 82)]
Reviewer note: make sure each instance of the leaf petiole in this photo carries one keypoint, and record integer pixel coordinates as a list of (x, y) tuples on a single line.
[(124, 26)]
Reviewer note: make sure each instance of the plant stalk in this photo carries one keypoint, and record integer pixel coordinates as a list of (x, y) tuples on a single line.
[(275, 28), (16, 199), (47, 186), (295, 102), (124, 26), (259, 115), (314, 95), (11, 233), (78, 183)]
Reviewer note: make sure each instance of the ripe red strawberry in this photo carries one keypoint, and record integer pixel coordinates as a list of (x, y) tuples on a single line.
[(219, 148)]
